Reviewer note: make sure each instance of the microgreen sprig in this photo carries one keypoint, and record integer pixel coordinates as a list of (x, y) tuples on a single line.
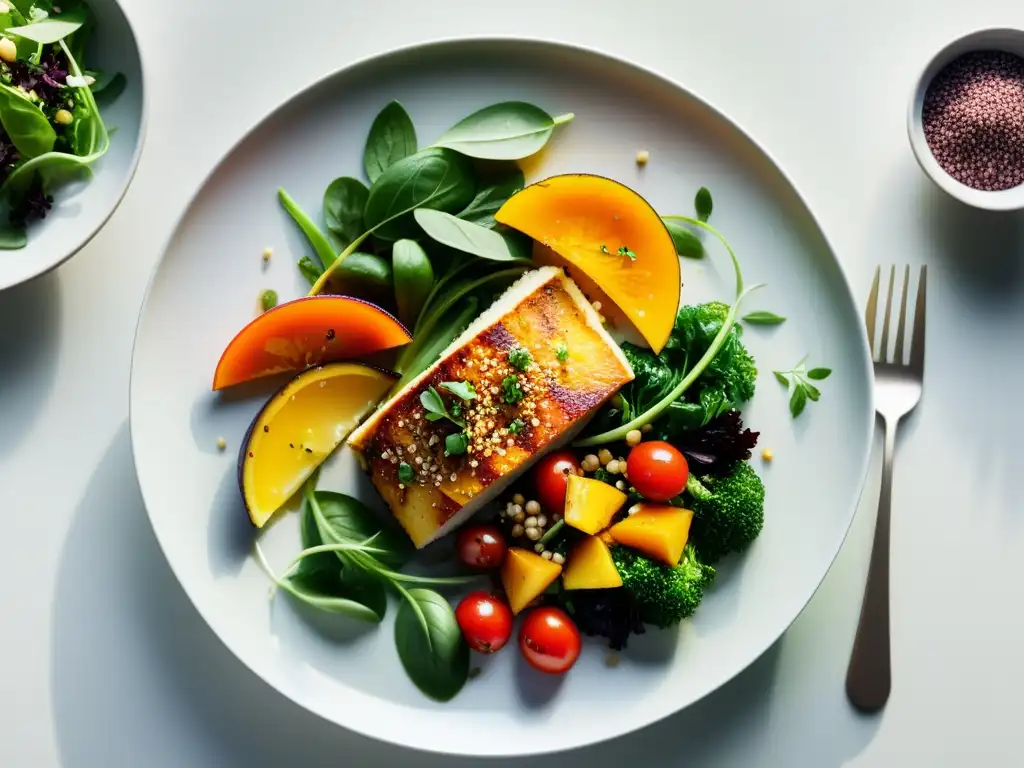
[(798, 379)]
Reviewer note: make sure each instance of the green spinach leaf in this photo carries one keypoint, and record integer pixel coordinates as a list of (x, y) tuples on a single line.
[(489, 199), (343, 519), (466, 236), (392, 138), (319, 590), (365, 275), (510, 130), (434, 178), (51, 30), (686, 242), (413, 278), (344, 203), (430, 644), (321, 245), (25, 123)]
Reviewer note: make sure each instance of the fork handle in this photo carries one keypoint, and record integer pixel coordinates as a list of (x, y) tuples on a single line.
[(869, 676)]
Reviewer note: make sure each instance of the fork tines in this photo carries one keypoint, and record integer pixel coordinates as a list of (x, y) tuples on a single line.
[(880, 352)]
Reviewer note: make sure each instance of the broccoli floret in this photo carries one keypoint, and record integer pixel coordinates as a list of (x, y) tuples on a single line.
[(728, 511), (665, 595)]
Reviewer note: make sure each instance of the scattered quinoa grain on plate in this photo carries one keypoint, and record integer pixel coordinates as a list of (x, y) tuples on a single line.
[(642, 157)]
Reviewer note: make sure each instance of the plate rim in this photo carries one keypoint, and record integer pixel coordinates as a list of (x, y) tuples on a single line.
[(133, 167), (556, 44)]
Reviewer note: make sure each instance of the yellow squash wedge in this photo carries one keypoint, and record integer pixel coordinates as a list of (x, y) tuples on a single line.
[(658, 531), (590, 566), (591, 504), (525, 575)]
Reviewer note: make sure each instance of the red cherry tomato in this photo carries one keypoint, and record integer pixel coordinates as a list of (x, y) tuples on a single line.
[(551, 477), (481, 546), (485, 621), (549, 640), (657, 470)]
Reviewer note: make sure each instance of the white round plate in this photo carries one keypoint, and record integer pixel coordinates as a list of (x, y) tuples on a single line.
[(205, 289), (81, 209)]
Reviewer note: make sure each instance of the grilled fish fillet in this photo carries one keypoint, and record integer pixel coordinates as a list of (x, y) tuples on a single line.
[(519, 412)]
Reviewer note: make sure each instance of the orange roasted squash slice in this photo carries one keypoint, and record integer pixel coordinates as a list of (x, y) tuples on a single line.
[(304, 333), (610, 234)]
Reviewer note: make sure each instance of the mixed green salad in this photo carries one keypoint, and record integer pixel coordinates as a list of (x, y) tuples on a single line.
[(621, 530), (51, 130)]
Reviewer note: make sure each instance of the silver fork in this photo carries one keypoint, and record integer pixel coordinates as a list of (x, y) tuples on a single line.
[(897, 392)]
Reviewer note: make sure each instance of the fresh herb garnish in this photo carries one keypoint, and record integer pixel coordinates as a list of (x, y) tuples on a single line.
[(456, 444), (604, 249), (516, 426), (763, 318), (509, 130), (520, 358), (562, 352), (511, 390), (405, 473), (392, 138), (624, 251), (436, 410), (798, 380), (463, 389), (702, 204)]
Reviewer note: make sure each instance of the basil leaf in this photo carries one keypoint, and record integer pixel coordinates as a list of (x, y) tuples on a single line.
[(365, 275), (433, 178), (797, 401), (763, 318), (465, 236), (488, 200), (463, 389), (392, 138), (314, 588), (812, 392), (430, 644), (25, 123), (344, 202), (432, 403), (456, 444), (687, 244), (818, 374), (413, 278), (50, 30), (310, 270), (317, 239), (344, 519), (703, 204), (781, 377), (509, 130)]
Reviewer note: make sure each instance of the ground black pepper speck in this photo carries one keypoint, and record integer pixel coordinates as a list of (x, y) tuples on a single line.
[(973, 119)]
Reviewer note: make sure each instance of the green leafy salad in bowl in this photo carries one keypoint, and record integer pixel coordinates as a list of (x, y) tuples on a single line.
[(590, 485), (51, 129)]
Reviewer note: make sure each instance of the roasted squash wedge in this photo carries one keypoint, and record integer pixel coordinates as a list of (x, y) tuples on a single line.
[(590, 566), (658, 531), (591, 504), (610, 234), (525, 575)]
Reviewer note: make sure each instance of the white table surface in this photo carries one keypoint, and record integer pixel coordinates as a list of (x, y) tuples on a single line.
[(104, 661)]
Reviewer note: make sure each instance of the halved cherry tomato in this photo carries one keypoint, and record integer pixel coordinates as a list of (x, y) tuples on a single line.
[(481, 546), (485, 621), (657, 470), (551, 477), (549, 640)]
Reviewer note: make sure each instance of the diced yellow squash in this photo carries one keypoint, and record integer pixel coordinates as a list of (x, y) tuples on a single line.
[(526, 575), (659, 531), (590, 566), (591, 504)]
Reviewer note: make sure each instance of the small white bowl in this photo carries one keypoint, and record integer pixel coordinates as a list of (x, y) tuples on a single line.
[(1007, 40), (81, 209)]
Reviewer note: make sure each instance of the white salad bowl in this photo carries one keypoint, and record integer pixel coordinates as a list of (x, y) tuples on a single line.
[(80, 209), (350, 673)]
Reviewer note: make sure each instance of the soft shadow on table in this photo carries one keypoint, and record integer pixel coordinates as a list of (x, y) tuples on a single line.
[(138, 678), (29, 337)]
